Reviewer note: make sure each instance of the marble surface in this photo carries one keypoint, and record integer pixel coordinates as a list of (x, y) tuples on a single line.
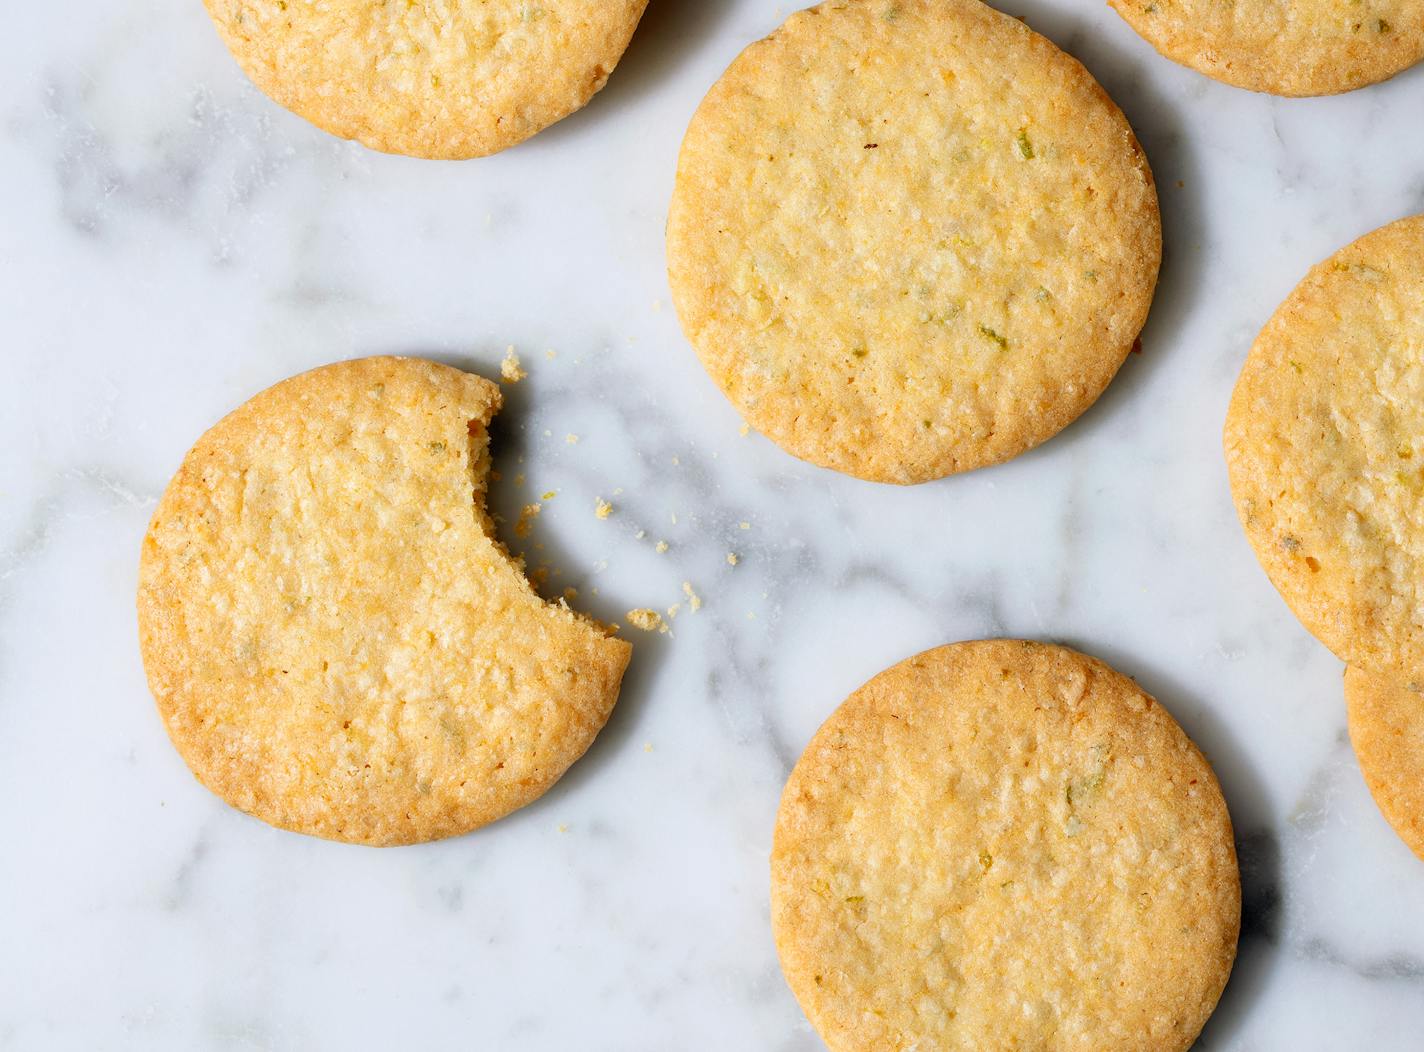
[(171, 242)]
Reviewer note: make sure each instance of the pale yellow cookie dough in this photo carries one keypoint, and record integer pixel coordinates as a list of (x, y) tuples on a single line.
[(1284, 47), (910, 237), (336, 642), (1325, 448), (448, 79), (1004, 845), (1387, 731)]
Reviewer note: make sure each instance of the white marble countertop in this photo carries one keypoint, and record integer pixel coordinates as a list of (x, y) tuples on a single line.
[(171, 242)]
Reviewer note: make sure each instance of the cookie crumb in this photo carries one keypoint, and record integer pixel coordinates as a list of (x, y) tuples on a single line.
[(571, 439), (549, 494), (563, 827), (601, 508), (744, 430), (570, 594), (647, 746), (647, 620), (744, 525), (694, 601), (733, 559), (509, 369), (660, 547), (527, 515), (640, 535), (674, 610)]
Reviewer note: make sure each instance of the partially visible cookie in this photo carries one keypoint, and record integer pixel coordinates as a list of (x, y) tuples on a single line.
[(337, 643), (1387, 731), (1325, 448), (450, 80), (1004, 844), (1284, 47), (910, 237)]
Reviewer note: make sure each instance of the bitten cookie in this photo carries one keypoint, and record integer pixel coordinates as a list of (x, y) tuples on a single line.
[(1325, 448), (910, 237), (337, 643), (460, 79), (1387, 731), (1002, 845), (1284, 47)]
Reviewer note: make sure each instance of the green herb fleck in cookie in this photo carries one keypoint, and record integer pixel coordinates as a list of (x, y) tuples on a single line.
[(990, 334)]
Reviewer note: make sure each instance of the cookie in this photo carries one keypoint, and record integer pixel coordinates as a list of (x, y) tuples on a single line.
[(1387, 731), (1003, 844), (452, 80), (337, 643), (1325, 449), (910, 237), (1284, 47)]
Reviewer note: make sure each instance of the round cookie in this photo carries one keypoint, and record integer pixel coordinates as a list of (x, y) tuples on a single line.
[(1387, 731), (1325, 448), (460, 79), (1004, 844), (910, 237), (1284, 47), (336, 642)]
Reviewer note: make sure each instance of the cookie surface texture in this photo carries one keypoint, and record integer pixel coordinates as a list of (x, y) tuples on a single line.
[(1325, 449), (910, 237), (336, 643), (1387, 731), (464, 78), (1004, 845), (1284, 47)]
